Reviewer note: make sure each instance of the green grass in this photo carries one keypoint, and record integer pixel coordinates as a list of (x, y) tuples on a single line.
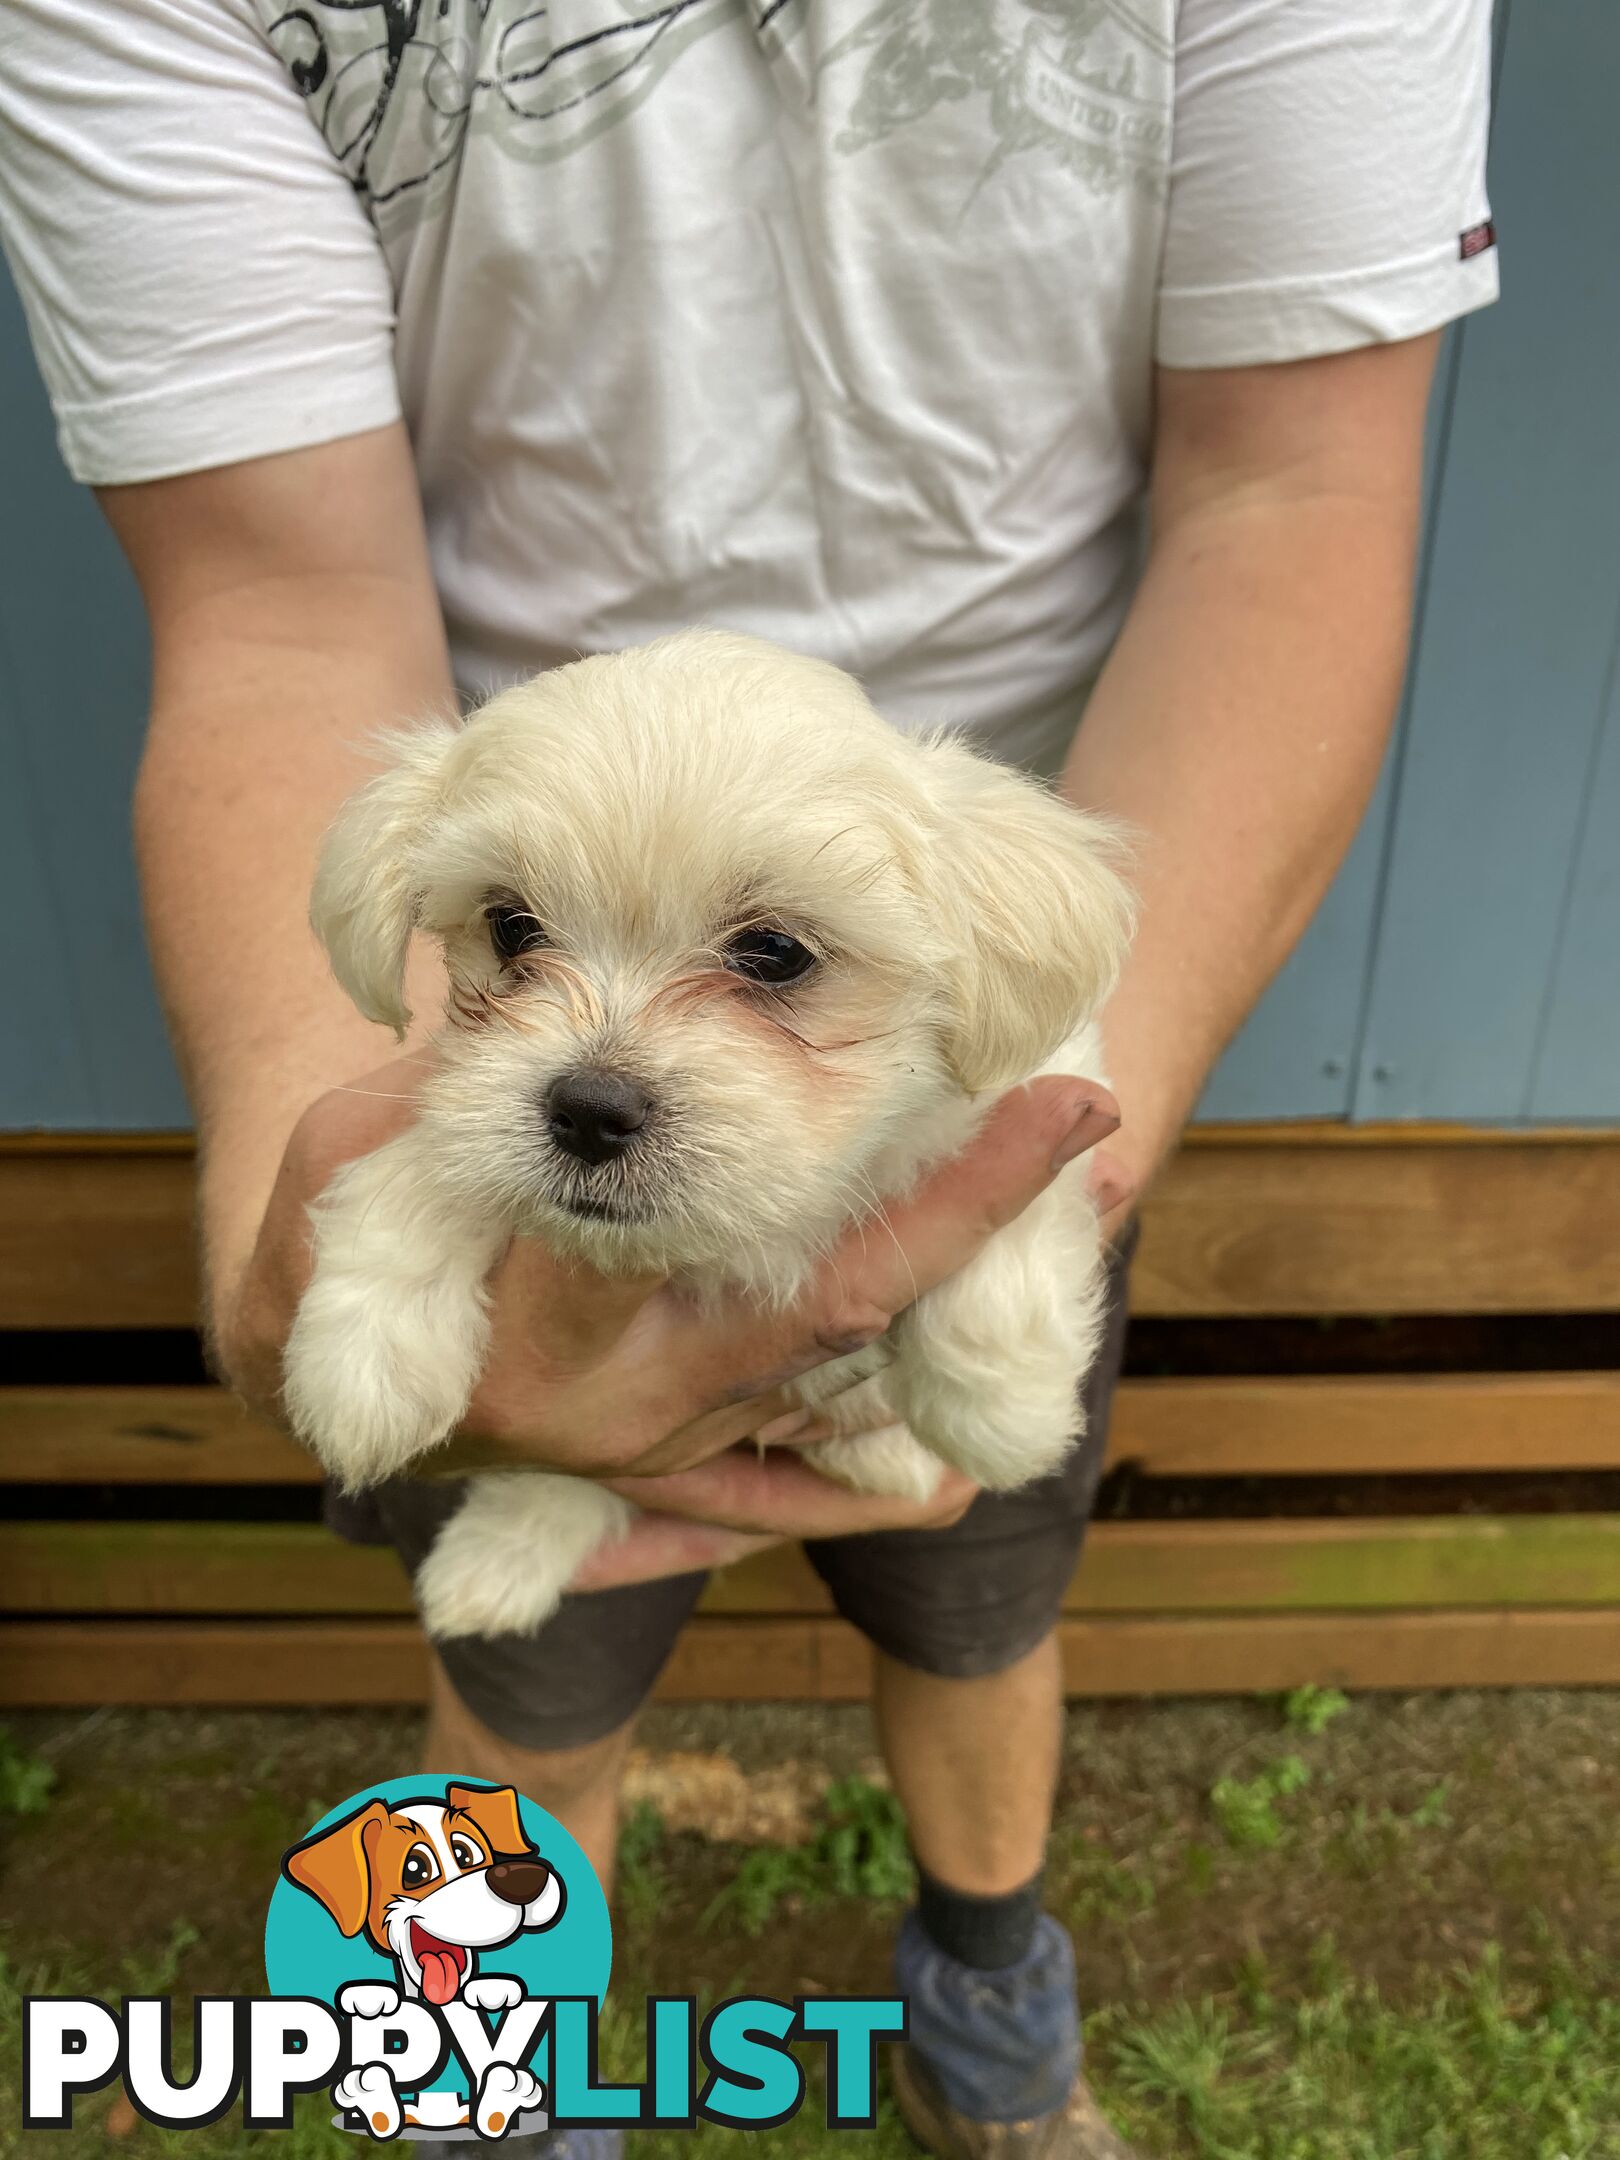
[(26, 1780), (1481, 2070), (1308, 1930)]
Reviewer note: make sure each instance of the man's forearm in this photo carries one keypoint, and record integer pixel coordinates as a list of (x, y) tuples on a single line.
[(236, 787), (293, 614), (1238, 729)]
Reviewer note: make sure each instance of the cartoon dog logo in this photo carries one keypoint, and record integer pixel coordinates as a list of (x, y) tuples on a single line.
[(431, 1884)]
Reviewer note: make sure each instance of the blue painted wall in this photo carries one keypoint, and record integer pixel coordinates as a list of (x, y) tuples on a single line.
[(1466, 963)]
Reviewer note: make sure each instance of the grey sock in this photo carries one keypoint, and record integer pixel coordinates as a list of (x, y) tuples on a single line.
[(988, 1933)]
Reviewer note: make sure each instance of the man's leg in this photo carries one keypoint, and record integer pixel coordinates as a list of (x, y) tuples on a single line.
[(579, 1785), (968, 1689), (549, 1714), (948, 1744)]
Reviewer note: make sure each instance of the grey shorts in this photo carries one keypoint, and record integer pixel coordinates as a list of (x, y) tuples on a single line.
[(959, 1602)]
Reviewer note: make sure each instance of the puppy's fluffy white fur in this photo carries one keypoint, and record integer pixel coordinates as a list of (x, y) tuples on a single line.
[(643, 810)]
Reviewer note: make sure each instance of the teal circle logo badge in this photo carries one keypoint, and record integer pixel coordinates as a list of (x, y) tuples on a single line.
[(441, 1918)]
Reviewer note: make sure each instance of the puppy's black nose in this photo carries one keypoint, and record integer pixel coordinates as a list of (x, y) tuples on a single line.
[(517, 1882), (595, 1116)]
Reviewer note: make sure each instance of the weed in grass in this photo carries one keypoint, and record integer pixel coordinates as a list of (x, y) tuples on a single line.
[(1108, 1889), (1199, 1863), (1328, 1974), (1431, 1812), (641, 1884), (641, 1836), (1246, 1808), (1311, 1709), (1366, 1842), (154, 1972), (1254, 1985), (1476, 2072), (1370, 1840), (767, 1878), (1185, 2059), (26, 1781), (863, 1844), (858, 1850)]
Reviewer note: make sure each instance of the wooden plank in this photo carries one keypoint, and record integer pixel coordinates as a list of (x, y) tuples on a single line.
[(1317, 1218), (102, 1238), (315, 1664), (326, 1663), (290, 1568), (1315, 1425), (143, 1436), (194, 1567), (1292, 1566), (1515, 1223), (1241, 1654), (1373, 1425)]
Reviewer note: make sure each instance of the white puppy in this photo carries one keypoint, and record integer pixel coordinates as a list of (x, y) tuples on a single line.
[(730, 961)]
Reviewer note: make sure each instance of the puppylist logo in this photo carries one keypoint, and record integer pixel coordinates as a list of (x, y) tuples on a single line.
[(437, 1952)]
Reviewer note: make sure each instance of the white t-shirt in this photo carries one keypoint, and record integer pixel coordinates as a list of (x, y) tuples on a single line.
[(833, 320)]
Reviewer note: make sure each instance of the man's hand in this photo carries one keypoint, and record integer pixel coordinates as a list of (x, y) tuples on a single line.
[(630, 1381)]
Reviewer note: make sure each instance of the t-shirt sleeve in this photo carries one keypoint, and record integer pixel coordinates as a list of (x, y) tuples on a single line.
[(1327, 181), (201, 284)]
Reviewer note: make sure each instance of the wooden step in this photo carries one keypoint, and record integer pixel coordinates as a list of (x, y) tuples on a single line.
[(1295, 1566), (97, 1231), (315, 1664), (1326, 1425)]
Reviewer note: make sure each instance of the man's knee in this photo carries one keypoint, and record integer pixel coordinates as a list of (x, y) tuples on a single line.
[(459, 1742)]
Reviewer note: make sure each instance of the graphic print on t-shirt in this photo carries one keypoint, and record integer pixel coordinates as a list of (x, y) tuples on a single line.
[(394, 85), (1087, 81)]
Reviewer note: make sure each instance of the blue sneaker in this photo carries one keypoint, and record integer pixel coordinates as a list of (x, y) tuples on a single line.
[(991, 2067)]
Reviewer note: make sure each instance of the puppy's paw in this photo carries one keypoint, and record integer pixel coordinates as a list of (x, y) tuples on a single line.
[(501, 1564), (393, 1329), (506, 2093), (891, 1460), (1002, 1442), (373, 1380), (368, 1999), (492, 1991), (369, 2093)]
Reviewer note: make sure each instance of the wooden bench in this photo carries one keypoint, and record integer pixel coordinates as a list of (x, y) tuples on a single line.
[(99, 1604)]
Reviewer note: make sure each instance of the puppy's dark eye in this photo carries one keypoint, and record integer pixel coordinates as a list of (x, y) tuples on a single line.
[(512, 929), (769, 956)]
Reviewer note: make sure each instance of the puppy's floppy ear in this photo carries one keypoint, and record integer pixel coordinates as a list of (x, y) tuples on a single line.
[(494, 1810), (365, 899), (335, 1867), (1037, 914)]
